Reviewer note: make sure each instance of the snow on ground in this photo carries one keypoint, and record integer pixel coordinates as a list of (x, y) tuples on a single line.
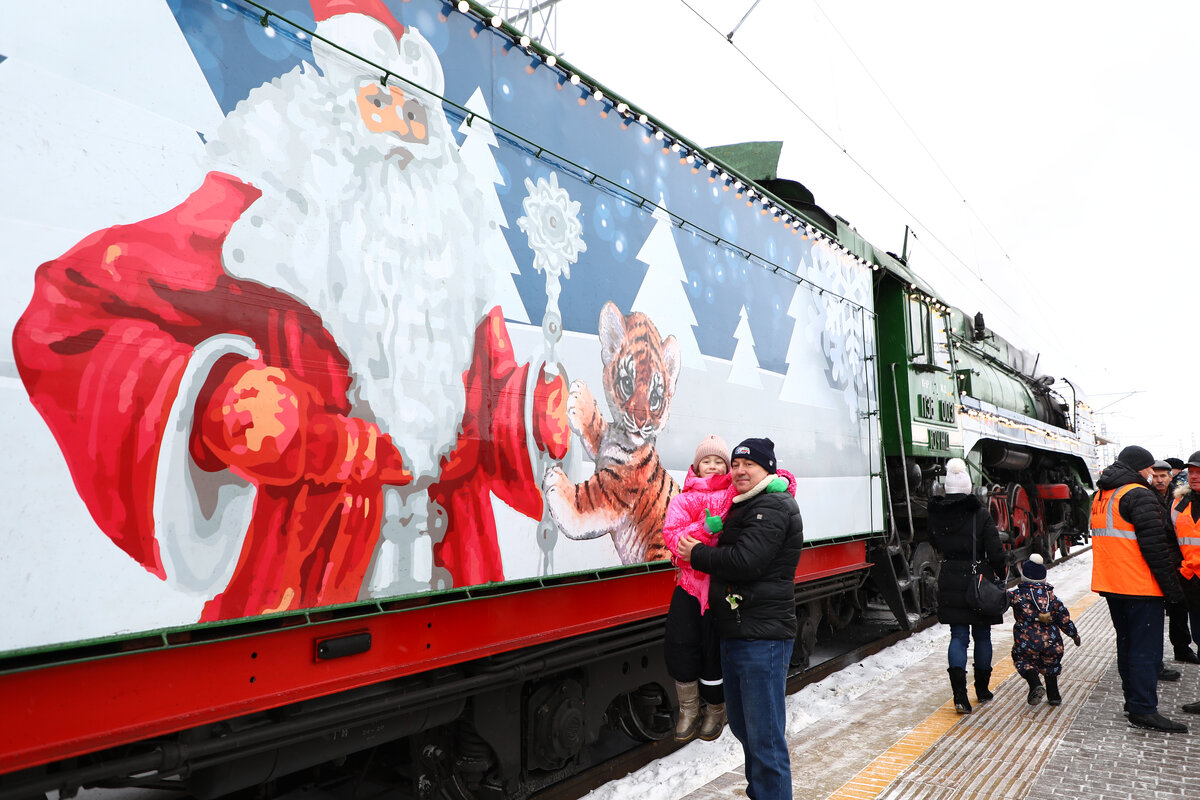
[(698, 763)]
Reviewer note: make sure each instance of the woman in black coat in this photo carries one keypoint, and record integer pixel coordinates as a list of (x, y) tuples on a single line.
[(953, 520)]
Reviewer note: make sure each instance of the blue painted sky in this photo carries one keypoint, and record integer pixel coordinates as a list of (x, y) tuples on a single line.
[(237, 53)]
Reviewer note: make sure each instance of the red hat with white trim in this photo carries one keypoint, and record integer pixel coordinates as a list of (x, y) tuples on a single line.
[(375, 9)]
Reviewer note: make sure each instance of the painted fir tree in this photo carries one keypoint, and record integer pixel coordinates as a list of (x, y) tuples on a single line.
[(793, 387), (744, 369), (663, 296), (476, 153)]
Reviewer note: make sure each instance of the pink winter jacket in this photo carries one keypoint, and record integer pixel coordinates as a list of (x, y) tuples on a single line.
[(685, 517)]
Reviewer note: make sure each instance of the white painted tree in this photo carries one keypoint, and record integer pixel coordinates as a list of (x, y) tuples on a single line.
[(662, 296), (476, 153), (793, 387), (744, 369)]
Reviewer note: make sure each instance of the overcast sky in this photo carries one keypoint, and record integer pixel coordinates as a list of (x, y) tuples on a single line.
[(1044, 153)]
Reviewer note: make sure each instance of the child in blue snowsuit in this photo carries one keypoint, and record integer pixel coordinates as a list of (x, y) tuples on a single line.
[(1037, 644)]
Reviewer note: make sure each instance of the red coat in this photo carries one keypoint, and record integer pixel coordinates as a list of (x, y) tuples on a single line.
[(103, 347)]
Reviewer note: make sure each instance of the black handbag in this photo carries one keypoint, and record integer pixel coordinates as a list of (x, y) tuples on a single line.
[(983, 594)]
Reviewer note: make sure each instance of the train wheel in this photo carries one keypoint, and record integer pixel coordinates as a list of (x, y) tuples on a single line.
[(1064, 546), (1022, 514), (808, 617), (839, 610), (644, 714), (998, 508), (925, 565)]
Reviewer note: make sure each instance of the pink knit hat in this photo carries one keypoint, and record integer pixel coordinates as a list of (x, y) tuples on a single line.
[(711, 446)]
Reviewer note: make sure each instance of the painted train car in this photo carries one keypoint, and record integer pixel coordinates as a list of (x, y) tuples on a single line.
[(345, 397)]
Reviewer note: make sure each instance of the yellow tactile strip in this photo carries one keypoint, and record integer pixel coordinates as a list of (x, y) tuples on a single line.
[(998, 749)]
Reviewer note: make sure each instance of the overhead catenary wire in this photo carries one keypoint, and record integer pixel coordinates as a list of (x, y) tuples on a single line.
[(832, 139), (853, 160), (915, 135), (729, 36)]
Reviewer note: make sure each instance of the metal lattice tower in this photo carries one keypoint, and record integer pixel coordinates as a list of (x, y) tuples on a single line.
[(535, 18)]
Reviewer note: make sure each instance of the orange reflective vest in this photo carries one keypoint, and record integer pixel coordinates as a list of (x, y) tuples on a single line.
[(1187, 531), (1117, 563)]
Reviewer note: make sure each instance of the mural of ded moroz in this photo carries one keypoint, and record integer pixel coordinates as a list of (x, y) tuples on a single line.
[(320, 324)]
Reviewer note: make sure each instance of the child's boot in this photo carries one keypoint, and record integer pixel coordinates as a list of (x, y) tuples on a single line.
[(1052, 695), (958, 682), (689, 711), (713, 722), (982, 678), (1036, 692)]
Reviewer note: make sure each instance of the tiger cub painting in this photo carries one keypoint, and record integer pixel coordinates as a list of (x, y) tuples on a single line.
[(627, 496)]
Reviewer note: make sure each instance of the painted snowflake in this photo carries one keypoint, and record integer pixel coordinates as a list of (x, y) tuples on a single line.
[(552, 225), (845, 331)]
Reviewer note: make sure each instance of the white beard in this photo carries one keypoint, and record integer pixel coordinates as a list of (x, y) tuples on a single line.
[(387, 254)]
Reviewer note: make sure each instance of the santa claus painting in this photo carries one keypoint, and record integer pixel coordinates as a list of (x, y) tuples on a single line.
[(290, 390)]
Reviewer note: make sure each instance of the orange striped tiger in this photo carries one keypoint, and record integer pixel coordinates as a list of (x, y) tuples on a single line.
[(628, 495)]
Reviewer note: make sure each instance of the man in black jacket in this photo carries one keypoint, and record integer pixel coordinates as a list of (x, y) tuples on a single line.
[(1135, 565), (752, 597)]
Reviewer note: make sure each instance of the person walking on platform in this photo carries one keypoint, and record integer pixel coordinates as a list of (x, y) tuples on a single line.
[(1178, 630), (1185, 517), (963, 531), (1038, 616), (752, 598), (1134, 567)]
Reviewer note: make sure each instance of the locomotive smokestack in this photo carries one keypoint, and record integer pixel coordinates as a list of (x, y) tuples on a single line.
[(980, 329)]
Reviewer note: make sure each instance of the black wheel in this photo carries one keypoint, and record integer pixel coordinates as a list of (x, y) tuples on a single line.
[(839, 610), (808, 617), (1064, 546), (925, 566), (1045, 547), (644, 714)]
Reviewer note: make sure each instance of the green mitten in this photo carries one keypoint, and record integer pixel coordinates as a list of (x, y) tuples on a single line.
[(714, 524), (777, 484)]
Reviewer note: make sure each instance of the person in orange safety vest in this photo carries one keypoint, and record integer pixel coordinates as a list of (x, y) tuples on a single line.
[(1185, 515), (1135, 565)]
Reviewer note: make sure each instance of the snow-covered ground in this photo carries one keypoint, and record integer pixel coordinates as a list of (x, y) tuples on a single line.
[(698, 763)]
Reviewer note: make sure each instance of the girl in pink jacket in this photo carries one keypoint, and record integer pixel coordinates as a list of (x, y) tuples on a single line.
[(693, 648)]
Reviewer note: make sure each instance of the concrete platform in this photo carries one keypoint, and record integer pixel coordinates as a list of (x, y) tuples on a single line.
[(905, 741)]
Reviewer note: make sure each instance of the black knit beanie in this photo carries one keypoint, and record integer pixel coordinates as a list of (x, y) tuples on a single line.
[(760, 451), (1136, 458)]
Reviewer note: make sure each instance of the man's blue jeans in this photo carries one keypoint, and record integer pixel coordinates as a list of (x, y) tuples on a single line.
[(755, 704), (961, 636), (1138, 622)]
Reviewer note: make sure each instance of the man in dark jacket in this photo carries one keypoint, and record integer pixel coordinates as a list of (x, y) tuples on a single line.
[(752, 598), (1135, 565)]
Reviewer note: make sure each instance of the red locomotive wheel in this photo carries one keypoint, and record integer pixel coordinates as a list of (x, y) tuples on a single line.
[(998, 508), (1023, 520)]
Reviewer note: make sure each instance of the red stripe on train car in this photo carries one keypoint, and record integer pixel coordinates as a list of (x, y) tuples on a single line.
[(62, 711), (829, 560)]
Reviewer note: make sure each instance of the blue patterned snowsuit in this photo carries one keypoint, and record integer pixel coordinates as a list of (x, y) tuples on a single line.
[(1038, 646)]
